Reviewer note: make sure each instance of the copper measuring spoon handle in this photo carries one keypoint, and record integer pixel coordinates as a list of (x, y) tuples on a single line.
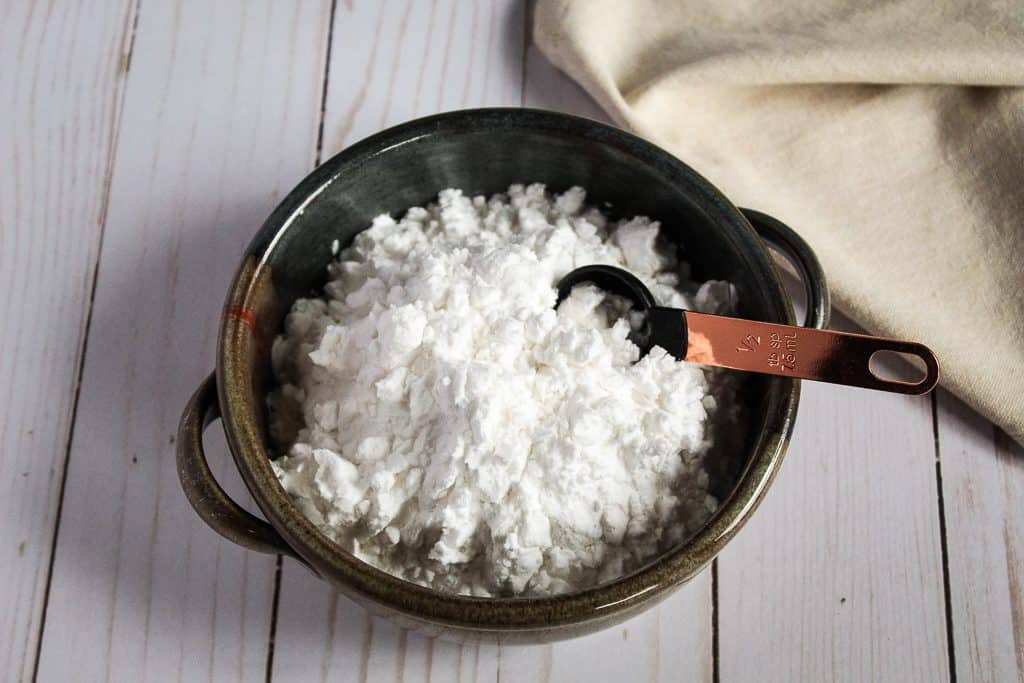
[(789, 351), (754, 346)]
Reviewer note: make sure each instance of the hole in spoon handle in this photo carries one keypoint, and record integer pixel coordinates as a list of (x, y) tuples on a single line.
[(801, 352)]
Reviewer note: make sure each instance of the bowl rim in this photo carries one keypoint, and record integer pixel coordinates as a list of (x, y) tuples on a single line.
[(360, 580)]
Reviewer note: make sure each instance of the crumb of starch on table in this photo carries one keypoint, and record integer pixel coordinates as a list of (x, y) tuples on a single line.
[(442, 421)]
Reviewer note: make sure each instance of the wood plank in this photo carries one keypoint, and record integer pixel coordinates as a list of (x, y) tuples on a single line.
[(61, 86), (142, 589), (395, 60), (220, 119), (670, 642), (983, 494), (545, 87), (839, 574), (392, 61), (324, 636)]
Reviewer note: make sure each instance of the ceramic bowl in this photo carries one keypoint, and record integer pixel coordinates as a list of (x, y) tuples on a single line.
[(483, 151)]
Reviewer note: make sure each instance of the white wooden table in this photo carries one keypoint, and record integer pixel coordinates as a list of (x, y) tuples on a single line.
[(143, 143)]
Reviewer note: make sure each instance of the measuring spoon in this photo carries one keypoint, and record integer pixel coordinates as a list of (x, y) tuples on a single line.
[(754, 346)]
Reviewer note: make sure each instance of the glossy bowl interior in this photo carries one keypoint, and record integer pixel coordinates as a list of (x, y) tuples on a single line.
[(483, 152)]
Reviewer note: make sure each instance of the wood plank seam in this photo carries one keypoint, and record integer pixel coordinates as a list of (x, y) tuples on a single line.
[(323, 91), (943, 542), (981, 481), (128, 37), (275, 603), (276, 598), (190, 85), (715, 670)]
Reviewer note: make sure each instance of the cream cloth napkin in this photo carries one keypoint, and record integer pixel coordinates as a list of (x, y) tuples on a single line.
[(890, 134)]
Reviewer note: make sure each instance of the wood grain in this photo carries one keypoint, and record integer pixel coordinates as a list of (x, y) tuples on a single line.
[(61, 87), (839, 574), (983, 495), (146, 170), (323, 636), (545, 87), (671, 642), (220, 120), (392, 61)]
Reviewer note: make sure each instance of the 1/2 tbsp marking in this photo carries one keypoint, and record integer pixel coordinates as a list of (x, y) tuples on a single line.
[(749, 343), (783, 354)]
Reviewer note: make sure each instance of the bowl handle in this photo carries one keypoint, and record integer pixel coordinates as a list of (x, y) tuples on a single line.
[(209, 500), (801, 256)]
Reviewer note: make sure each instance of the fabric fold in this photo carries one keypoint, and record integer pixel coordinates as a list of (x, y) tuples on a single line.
[(889, 134)]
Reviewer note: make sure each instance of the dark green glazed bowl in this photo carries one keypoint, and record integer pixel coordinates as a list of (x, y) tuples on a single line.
[(484, 151)]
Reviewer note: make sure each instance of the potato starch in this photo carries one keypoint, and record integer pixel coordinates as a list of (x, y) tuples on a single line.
[(448, 427)]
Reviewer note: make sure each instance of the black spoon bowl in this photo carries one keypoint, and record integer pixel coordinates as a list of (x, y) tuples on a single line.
[(751, 345)]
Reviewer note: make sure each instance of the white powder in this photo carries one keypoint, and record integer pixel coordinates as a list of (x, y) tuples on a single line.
[(455, 431)]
